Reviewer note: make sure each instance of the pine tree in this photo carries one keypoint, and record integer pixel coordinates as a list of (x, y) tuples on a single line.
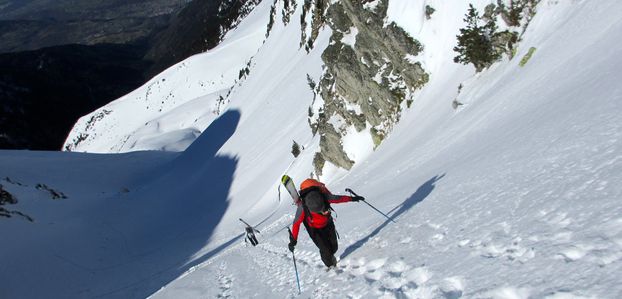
[(475, 41)]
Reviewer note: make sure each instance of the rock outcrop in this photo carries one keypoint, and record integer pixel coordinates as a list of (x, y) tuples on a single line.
[(371, 70)]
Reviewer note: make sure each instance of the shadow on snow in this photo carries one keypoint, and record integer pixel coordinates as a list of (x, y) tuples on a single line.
[(173, 217), (422, 192)]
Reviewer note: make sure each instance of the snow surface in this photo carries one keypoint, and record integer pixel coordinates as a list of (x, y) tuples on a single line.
[(514, 195), (349, 38)]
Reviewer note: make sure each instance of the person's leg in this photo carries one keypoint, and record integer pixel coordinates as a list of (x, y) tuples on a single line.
[(253, 240), (322, 239), (331, 236)]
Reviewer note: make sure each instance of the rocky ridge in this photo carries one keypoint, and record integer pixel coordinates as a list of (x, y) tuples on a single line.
[(371, 74)]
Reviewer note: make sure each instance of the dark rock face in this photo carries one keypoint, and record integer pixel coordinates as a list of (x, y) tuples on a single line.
[(34, 24), (44, 92), (7, 198), (85, 9), (200, 26)]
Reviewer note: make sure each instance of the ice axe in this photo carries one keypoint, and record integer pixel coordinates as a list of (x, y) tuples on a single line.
[(381, 213)]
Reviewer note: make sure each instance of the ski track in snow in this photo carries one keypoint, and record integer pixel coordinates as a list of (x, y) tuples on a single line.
[(270, 266), (225, 281)]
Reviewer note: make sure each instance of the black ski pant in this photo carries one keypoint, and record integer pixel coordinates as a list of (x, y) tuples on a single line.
[(252, 239), (326, 240)]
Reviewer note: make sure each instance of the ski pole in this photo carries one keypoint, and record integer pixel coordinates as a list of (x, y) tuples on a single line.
[(381, 213), (291, 236)]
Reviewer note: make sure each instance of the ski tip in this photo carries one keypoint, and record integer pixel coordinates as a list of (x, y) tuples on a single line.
[(285, 178)]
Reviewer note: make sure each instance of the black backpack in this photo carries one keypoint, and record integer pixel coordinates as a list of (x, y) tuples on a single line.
[(314, 200)]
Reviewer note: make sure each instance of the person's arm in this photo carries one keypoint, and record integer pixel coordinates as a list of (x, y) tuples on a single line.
[(343, 198), (293, 238), (300, 216), (339, 198)]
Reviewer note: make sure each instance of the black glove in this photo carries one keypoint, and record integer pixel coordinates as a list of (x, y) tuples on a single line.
[(292, 244), (358, 198)]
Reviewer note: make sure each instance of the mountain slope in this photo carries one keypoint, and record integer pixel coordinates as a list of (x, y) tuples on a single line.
[(188, 96), (512, 195)]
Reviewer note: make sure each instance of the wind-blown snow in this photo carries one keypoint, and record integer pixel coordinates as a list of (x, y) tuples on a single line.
[(513, 195)]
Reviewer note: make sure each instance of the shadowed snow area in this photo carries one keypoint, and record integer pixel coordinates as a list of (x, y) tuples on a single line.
[(135, 235)]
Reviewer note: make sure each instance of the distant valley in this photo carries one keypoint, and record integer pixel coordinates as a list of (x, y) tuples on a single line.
[(61, 59)]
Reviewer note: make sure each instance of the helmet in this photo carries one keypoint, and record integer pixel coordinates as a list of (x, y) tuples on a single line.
[(310, 183)]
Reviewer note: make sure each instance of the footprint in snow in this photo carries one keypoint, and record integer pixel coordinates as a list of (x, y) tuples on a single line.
[(507, 292), (559, 220), (355, 267), (397, 279), (397, 268), (418, 276), (224, 281), (452, 287), (375, 264), (374, 276), (566, 295), (513, 251), (573, 253), (406, 240)]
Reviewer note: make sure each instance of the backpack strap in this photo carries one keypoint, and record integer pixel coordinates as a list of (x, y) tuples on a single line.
[(307, 211)]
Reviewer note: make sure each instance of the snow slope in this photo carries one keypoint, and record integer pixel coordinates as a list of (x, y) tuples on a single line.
[(173, 108), (513, 195)]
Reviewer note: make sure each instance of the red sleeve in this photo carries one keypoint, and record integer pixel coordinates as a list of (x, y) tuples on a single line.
[(300, 216), (339, 199)]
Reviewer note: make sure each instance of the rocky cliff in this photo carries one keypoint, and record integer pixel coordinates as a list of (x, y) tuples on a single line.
[(371, 74)]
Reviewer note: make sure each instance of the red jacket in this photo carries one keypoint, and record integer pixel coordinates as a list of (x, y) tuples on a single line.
[(316, 220)]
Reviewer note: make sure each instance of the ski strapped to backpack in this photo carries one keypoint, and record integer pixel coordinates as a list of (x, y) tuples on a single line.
[(290, 187), (314, 196)]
